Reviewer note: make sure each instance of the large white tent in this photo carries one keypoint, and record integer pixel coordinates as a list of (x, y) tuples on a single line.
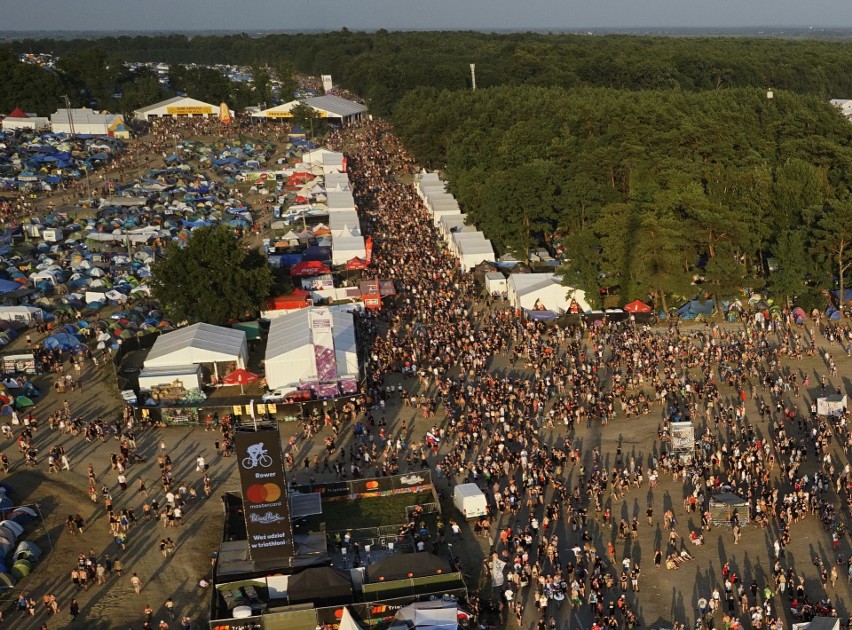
[(291, 356), (473, 252), (345, 248), (345, 343), (534, 290), (199, 343), (328, 106), (339, 200), (343, 218), (337, 181), (290, 350), (177, 107), (464, 236), (449, 223)]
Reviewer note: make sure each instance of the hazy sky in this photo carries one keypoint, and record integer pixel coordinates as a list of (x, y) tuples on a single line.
[(415, 14)]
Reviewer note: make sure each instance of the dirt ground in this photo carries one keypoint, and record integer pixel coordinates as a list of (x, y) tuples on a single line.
[(664, 594)]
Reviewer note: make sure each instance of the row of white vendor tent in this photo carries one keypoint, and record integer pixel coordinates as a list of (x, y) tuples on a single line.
[(347, 241), (464, 241)]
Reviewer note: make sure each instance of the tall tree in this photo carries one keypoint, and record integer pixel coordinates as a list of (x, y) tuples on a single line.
[(791, 263), (834, 237), (213, 278)]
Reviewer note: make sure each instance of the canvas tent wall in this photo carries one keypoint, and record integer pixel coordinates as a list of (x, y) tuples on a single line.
[(337, 181), (435, 199), (458, 237), (534, 290), (27, 314), (346, 248), (725, 505), (474, 252), (495, 282), (440, 213), (290, 350), (337, 200), (190, 376), (345, 343), (425, 179), (431, 188), (199, 343), (343, 218), (451, 223), (290, 354)]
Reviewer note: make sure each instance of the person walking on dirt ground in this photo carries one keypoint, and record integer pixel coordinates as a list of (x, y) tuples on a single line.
[(136, 583), (170, 608)]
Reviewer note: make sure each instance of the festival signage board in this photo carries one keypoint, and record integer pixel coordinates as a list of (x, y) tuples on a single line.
[(265, 501), (321, 331), (188, 110)]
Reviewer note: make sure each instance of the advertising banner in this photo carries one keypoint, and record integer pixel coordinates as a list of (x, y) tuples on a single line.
[(327, 85), (265, 502), (323, 345), (188, 110)]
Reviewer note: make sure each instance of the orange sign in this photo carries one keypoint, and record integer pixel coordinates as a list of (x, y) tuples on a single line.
[(189, 110)]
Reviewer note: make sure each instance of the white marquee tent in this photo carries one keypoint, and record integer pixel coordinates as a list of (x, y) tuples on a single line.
[(290, 350), (529, 290), (175, 107), (473, 252), (199, 343), (338, 200), (290, 353), (343, 218), (345, 248)]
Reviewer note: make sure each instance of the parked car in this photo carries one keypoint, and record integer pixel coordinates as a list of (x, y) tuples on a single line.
[(279, 394)]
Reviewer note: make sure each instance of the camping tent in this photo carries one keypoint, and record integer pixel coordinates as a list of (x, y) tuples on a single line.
[(320, 585), (199, 343), (694, 308), (401, 567), (723, 507)]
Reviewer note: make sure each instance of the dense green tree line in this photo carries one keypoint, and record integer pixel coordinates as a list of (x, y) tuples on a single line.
[(652, 192), (383, 66)]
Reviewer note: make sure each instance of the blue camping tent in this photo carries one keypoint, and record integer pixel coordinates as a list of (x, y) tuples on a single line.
[(847, 295), (694, 308), (62, 340)]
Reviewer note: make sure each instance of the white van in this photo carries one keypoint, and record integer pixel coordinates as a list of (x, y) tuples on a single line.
[(470, 500)]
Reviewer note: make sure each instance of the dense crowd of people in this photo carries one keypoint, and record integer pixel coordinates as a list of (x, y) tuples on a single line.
[(505, 398), (494, 422)]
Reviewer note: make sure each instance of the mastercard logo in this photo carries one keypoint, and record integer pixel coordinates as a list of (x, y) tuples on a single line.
[(263, 493), (372, 485)]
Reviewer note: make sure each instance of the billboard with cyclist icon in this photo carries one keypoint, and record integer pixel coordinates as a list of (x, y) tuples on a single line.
[(265, 500)]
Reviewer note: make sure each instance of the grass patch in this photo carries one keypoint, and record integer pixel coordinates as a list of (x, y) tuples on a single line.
[(372, 512)]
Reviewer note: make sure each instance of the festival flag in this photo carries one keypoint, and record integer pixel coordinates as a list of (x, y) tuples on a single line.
[(368, 246), (225, 114)]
